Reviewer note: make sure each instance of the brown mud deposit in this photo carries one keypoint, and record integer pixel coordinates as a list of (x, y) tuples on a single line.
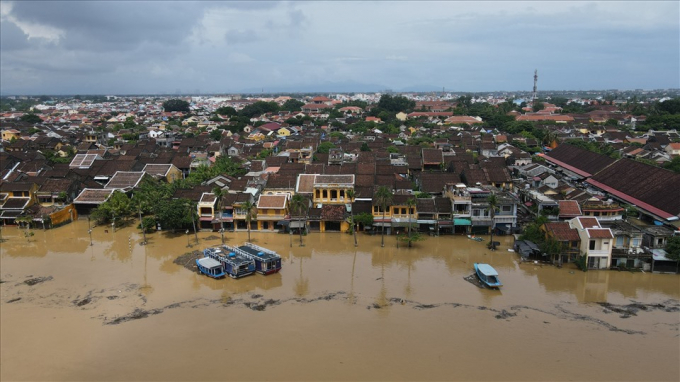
[(118, 310)]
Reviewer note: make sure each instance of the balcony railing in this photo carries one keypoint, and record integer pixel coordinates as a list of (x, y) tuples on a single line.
[(505, 219)]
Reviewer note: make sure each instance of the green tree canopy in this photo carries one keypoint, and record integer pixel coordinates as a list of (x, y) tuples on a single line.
[(259, 108), (226, 110), (292, 105), (673, 165), (671, 106), (176, 105), (30, 118), (175, 213), (395, 104), (324, 147), (117, 206), (673, 248)]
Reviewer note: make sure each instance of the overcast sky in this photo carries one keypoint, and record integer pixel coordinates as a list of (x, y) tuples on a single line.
[(126, 47)]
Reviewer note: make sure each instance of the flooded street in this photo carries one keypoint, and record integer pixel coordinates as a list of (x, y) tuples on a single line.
[(118, 310)]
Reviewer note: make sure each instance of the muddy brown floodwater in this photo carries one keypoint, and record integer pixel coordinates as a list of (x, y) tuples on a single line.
[(118, 310)]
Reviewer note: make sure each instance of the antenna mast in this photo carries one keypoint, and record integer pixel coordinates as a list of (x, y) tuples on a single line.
[(535, 82)]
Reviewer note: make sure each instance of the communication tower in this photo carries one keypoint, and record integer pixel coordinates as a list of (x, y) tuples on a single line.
[(535, 82)]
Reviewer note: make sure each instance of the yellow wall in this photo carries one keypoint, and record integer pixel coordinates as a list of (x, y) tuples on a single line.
[(318, 196), (173, 175), (68, 213), (8, 135), (283, 132)]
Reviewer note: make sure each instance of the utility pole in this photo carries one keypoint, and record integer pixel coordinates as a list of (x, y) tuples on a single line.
[(533, 99)]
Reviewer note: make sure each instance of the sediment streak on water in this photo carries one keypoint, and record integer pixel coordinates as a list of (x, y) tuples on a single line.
[(112, 311)]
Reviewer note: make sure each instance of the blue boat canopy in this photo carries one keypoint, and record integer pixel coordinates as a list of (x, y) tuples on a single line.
[(209, 263), (487, 270)]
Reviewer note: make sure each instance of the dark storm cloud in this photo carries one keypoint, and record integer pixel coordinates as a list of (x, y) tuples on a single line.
[(161, 46), (112, 25), (12, 37)]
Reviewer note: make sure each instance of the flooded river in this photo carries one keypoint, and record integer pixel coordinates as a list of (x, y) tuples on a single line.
[(118, 310)]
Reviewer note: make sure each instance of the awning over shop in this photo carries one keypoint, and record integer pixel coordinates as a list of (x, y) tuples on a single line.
[(504, 228), (461, 222), (659, 255)]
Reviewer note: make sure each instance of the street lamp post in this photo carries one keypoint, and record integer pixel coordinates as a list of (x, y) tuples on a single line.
[(188, 243)]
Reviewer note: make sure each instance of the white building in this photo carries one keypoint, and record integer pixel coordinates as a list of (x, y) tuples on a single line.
[(596, 242)]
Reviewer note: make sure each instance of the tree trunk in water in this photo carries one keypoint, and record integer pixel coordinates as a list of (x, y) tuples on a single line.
[(409, 227), (300, 234), (354, 230), (382, 244), (493, 215)]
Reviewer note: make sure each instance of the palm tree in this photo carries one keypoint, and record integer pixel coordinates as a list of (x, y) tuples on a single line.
[(219, 193), (549, 138), (383, 198), (351, 195), (251, 212), (410, 203), (493, 203), (299, 206)]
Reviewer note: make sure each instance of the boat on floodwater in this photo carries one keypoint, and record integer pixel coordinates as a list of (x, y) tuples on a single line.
[(488, 275), (266, 260), (235, 264), (210, 267), (472, 237)]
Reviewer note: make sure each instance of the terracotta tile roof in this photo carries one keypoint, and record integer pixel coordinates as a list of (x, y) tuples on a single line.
[(282, 181), (208, 197), (93, 196), (425, 206), (15, 203), (305, 183), (434, 182), (333, 212), (561, 231), (569, 208), (539, 117), (125, 179), (599, 233), (56, 185), (462, 119), (432, 156), (272, 201), (334, 179), (157, 169), (15, 186), (578, 160), (648, 187), (588, 222), (365, 180)]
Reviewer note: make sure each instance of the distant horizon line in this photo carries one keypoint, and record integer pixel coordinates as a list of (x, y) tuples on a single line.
[(385, 91)]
